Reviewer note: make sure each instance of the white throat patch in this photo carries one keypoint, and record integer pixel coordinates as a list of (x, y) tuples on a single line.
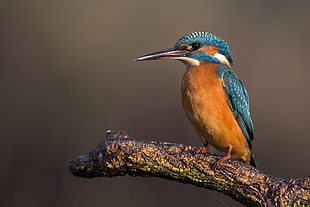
[(222, 59), (187, 61), (193, 62)]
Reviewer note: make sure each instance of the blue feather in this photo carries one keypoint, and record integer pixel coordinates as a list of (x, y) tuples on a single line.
[(238, 100)]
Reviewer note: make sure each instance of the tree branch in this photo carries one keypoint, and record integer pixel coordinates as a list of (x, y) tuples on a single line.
[(122, 155)]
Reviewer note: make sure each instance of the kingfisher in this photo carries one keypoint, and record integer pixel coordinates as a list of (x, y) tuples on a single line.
[(214, 99)]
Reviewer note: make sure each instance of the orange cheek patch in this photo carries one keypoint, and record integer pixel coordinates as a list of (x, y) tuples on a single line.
[(211, 50), (183, 47)]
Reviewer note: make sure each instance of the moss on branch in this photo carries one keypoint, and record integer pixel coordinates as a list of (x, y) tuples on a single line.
[(122, 155)]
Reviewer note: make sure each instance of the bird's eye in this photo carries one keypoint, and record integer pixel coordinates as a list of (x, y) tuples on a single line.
[(196, 45)]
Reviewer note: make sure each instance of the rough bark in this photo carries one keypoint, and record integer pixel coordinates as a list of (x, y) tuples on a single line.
[(121, 155)]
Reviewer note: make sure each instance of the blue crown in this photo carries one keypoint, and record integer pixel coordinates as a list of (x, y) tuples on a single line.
[(207, 39)]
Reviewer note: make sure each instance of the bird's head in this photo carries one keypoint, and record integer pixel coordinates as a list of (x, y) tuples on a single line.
[(194, 48)]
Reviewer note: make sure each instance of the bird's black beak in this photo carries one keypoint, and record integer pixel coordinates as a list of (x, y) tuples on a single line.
[(170, 53)]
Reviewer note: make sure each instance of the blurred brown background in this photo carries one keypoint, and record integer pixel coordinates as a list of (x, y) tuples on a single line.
[(68, 75)]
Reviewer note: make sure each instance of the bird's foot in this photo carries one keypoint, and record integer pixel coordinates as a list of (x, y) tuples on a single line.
[(226, 157), (202, 148)]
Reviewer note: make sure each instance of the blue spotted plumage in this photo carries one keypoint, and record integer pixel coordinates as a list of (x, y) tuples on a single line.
[(238, 100), (214, 98)]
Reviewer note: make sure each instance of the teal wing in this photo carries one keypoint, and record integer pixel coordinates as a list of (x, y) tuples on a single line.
[(238, 101)]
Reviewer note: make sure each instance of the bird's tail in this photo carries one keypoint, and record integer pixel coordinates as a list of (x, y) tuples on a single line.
[(252, 161)]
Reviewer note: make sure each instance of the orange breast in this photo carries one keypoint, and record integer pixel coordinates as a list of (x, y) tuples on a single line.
[(205, 104)]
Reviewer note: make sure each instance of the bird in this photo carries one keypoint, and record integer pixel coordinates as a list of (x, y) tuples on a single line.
[(213, 97)]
